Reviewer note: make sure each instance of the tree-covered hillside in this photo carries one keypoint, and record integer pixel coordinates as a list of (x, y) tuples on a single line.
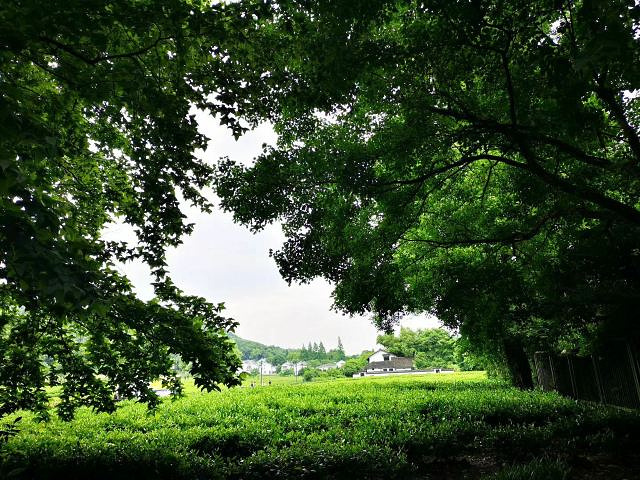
[(252, 350)]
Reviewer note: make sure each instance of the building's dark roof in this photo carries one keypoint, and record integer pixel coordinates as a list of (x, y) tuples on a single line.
[(396, 362)]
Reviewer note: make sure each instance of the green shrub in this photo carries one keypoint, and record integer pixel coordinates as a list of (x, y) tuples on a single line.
[(310, 373)]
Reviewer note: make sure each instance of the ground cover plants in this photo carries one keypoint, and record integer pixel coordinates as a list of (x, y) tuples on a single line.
[(432, 426)]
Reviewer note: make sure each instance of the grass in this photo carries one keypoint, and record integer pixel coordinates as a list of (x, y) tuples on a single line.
[(538, 469), (454, 426)]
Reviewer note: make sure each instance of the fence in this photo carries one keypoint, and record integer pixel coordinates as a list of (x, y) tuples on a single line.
[(611, 376)]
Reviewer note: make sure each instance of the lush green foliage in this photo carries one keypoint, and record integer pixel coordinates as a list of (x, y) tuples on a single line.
[(356, 364), (429, 348), (96, 110), (476, 160), (366, 428)]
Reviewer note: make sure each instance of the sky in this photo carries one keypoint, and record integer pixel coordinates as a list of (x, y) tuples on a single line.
[(224, 262)]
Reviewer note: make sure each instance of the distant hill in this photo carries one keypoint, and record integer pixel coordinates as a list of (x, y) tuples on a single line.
[(314, 352), (251, 350)]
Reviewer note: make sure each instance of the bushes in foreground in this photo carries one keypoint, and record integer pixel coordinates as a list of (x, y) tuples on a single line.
[(367, 428)]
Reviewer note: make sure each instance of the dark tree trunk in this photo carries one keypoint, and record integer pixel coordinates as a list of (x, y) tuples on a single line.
[(518, 364)]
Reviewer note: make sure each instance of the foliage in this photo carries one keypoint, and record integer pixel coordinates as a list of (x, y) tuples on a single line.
[(475, 160), (317, 351), (251, 350), (466, 360), (398, 427), (353, 366), (356, 364), (430, 348), (96, 110), (9, 429), (309, 374)]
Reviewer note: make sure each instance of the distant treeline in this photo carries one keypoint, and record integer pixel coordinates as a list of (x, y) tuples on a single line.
[(251, 350), (430, 348)]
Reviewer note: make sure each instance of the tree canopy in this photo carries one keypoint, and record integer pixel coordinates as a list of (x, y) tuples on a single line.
[(429, 348), (476, 160), (96, 109)]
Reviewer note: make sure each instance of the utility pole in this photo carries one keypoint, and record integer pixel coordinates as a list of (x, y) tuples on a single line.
[(261, 367)]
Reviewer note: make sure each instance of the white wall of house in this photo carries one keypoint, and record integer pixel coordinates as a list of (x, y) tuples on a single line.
[(286, 366), (327, 366), (370, 373), (381, 356), (249, 366), (299, 367), (387, 369)]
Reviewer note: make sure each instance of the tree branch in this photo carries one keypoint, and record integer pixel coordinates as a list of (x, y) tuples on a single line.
[(101, 58), (581, 191), (522, 141), (463, 162), (515, 237), (510, 90), (486, 183), (571, 150), (532, 135)]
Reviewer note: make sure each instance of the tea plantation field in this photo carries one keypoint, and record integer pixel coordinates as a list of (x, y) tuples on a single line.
[(431, 426)]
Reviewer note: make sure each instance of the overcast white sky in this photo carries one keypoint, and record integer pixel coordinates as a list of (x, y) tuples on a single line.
[(225, 262)]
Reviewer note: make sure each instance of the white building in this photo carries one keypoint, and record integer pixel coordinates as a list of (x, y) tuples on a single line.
[(249, 366), (265, 368), (286, 366), (326, 367), (331, 366), (297, 367), (381, 356), (258, 366), (383, 362)]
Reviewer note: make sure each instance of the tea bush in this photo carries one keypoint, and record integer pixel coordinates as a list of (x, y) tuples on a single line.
[(393, 427)]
